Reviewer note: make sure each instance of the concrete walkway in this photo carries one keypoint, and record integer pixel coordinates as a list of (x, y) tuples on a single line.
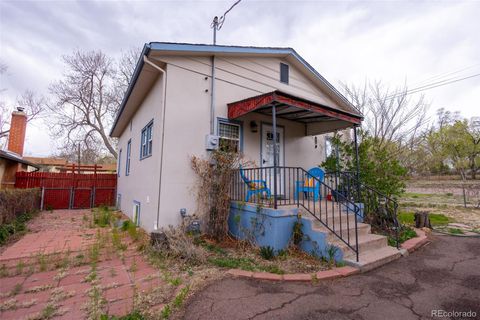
[(51, 272), (443, 275)]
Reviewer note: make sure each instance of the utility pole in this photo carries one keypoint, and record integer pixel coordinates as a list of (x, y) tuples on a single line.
[(217, 22), (216, 25)]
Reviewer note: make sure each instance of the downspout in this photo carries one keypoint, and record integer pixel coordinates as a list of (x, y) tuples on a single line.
[(163, 112), (212, 102)]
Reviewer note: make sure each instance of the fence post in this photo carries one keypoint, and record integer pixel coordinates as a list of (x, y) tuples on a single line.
[(92, 197), (42, 199), (72, 195)]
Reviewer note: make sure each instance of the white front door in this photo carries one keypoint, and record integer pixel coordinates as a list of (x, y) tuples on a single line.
[(267, 156)]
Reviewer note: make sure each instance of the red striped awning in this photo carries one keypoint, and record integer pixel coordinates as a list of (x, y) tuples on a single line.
[(292, 108)]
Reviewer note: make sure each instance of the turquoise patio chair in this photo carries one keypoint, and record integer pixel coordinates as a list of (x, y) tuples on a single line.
[(254, 186), (310, 185)]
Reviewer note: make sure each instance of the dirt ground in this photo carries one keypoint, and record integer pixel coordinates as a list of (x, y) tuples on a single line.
[(444, 196)]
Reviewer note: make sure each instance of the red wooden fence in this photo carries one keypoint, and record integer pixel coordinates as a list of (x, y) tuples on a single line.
[(70, 190)]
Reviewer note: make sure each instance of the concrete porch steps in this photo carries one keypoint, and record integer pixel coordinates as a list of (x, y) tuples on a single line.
[(366, 243), (372, 259), (374, 250), (343, 228)]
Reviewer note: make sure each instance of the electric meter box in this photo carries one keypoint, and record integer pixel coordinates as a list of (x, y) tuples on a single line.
[(211, 142)]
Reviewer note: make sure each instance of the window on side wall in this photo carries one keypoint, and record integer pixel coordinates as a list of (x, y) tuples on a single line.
[(146, 141), (136, 213), (118, 205), (119, 164), (127, 161), (229, 136), (284, 73)]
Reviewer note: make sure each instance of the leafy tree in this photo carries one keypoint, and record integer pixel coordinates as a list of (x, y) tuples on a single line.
[(378, 168), (459, 143)]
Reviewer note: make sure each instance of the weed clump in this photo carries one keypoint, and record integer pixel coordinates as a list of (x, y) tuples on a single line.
[(176, 243), (267, 253)]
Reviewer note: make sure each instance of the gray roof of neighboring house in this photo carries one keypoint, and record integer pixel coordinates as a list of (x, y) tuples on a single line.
[(15, 157), (222, 49)]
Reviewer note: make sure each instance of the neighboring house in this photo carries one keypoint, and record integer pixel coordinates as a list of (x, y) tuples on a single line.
[(48, 164), (52, 164), (166, 117), (11, 160), (10, 163)]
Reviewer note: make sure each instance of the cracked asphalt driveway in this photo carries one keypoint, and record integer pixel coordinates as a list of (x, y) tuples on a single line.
[(443, 275)]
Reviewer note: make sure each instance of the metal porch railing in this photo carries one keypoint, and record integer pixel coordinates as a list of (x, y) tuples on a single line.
[(380, 211), (283, 190)]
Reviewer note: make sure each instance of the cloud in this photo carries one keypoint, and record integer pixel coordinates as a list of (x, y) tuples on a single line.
[(345, 41)]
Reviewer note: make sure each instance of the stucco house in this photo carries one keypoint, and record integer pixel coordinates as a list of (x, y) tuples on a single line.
[(173, 110)]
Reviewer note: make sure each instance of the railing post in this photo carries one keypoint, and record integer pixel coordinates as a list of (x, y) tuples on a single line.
[(275, 164), (397, 225), (357, 160), (357, 209)]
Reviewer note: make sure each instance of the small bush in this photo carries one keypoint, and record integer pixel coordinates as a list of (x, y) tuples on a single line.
[(17, 206), (405, 234), (273, 269), (16, 202), (282, 253), (233, 263), (103, 216), (178, 244), (14, 228), (331, 252), (267, 253), (297, 233), (131, 229)]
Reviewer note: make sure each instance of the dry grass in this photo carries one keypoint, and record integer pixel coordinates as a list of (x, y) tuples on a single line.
[(179, 245)]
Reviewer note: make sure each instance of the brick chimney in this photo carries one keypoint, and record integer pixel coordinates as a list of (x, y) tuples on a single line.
[(18, 127)]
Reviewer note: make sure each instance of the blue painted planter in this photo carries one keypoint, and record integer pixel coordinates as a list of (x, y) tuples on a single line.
[(263, 226), (315, 242), (270, 227)]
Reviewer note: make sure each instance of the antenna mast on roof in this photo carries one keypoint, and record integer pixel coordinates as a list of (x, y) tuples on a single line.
[(217, 22)]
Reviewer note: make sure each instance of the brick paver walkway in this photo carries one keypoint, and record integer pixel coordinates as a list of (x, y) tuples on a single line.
[(31, 288)]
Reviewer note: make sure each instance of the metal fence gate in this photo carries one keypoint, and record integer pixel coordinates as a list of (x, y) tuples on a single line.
[(70, 190)]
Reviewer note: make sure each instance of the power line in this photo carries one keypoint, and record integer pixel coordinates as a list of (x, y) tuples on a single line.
[(432, 86), (444, 74)]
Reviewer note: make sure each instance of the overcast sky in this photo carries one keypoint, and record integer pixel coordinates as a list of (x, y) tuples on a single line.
[(416, 42)]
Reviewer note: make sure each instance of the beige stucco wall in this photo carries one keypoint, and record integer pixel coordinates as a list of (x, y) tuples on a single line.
[(188, 121), (143, 181)]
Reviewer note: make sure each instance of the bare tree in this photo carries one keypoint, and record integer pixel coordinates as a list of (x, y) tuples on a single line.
[(126, 67), (87, 99), (390, 114)]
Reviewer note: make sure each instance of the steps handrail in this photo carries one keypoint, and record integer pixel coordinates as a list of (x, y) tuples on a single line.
[(394, 213), (356, 210)]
